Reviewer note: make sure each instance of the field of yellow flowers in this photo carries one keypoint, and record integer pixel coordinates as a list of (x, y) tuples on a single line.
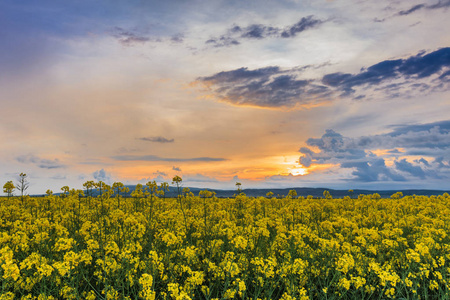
[(72, 246)]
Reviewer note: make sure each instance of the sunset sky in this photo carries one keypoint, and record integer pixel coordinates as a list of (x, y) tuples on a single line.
[(339, 94)]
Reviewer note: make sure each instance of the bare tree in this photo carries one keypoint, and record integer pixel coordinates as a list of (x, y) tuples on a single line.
[(22, 185)]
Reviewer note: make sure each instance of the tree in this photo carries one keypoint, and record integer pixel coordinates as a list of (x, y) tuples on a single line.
[(22, 185), (8, 188)]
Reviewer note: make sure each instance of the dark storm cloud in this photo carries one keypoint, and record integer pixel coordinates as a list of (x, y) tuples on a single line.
[(261, 31), (157, 139), (39, 162), (274, 87), (157, 158), (431, 140)]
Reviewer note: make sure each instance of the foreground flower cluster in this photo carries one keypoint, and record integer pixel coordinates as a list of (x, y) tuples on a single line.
[(201, 247)]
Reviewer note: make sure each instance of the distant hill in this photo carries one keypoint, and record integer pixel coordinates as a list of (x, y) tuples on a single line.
[(315, 192)]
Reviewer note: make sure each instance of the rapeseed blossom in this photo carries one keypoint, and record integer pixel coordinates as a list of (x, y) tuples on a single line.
[(72, 247)]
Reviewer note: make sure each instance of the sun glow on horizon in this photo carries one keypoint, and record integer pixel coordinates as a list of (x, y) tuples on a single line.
[(299, 171)]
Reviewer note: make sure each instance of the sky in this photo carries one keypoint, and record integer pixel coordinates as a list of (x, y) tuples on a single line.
[(272, 94)]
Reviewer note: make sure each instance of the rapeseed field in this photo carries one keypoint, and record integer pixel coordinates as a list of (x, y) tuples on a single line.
[(76, 246)]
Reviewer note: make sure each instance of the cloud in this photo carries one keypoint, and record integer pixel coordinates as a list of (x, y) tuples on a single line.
[(421, 6), (273, 87), (372, 170), (223, 41), (199, 178), (160, 173), (59, 177), (440, 4), (176, 169), (39, 162), (264, 87), (415, 67), (423, 161), (411, 10), (302, 25), (158, 158), (441, 163), (102, 175), (258, 31), (178, 38), (156, 139), (129, 38), (437, 5), (403, 165), (261, 31), (431, 140)]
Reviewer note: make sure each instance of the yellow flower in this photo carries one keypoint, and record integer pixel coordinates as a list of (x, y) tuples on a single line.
[(434, 285), (345, 263), (344, 283), (7, 296), (390, 292), (170, 239), (91, 296), (10, 269), (64, 244), (239, 242), (176, 292)]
